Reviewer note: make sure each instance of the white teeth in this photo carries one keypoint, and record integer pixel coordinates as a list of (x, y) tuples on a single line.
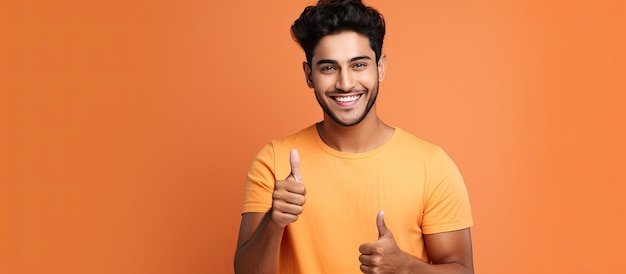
[(344, 99)]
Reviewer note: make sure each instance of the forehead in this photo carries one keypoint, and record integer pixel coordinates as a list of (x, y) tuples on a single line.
[(343, 46)]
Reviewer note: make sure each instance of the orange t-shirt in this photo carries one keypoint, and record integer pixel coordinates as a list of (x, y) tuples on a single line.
[(414, 182)]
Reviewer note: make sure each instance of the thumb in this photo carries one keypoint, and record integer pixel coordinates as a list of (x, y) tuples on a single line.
[(294, 161), (380, 223)]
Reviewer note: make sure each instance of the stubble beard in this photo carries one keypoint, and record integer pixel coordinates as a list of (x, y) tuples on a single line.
[(368, 107)]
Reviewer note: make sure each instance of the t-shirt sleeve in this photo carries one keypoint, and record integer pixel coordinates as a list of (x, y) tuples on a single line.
[(446, 203), (260, 182)]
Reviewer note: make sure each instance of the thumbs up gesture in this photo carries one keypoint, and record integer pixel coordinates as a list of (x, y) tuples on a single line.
[(383, 256), (288, 196)]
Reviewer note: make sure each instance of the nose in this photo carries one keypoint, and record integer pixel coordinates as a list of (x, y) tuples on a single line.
[(345, 81)]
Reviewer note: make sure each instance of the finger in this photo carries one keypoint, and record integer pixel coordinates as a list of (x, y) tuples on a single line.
[(364, 268), (283, 188), (294, 161), (366, 249), (365, 259), (288, 208), (288, 198), (380, 223)]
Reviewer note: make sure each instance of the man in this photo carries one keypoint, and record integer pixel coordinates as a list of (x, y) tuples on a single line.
[(316, 200)]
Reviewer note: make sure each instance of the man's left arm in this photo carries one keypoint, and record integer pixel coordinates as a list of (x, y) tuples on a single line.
[(449, 252)]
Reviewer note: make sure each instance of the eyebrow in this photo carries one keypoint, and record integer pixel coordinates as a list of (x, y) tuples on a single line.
[(334, 62)]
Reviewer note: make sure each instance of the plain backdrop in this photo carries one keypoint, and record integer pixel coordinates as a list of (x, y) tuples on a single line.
[(127, 127)]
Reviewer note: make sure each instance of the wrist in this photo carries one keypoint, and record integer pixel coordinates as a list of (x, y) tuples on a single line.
[(270, 223), (410, 264)]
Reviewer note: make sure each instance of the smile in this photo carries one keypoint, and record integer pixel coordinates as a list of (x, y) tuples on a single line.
[(346, 99)]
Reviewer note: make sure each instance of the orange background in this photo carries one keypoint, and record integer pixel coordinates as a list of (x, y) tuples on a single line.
[(127, 129)]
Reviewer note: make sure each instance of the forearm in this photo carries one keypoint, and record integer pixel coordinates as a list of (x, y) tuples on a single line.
[(260, 253), (415, 265)]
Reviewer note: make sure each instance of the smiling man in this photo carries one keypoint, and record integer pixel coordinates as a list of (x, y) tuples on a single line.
[(351, 194)]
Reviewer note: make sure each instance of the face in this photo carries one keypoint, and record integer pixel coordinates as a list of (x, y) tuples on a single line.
[(345, 77)]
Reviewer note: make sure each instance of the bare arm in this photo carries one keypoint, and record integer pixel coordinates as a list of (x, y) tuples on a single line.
[(449, 252), (258, 244), (453, 247)]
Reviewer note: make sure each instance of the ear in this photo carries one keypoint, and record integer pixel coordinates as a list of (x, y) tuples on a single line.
[(382, 66), (307, 74)]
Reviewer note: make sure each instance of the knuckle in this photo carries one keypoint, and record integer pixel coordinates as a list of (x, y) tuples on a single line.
[(278, 184), (379, 250), (278, 192), (362, 259), (363, 248), (276, 202), (300, 188), (296, 200)]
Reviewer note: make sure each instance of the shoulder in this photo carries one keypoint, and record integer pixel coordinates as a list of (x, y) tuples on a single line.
[(304, 135), (431, 157), (304, 139), (274, 156), (412, 144), (277, 151)]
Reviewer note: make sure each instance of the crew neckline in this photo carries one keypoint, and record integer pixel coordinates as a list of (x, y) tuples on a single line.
[(352, 155)]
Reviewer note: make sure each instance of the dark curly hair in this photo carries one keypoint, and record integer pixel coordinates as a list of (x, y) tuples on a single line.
[(334, 16)]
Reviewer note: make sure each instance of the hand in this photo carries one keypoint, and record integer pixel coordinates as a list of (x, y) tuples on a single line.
[(383, 256), (288, 196)]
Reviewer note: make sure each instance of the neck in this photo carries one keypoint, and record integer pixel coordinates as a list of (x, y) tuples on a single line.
[(367, 135)]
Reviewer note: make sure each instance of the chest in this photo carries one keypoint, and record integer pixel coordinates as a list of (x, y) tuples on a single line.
[(363, 187)]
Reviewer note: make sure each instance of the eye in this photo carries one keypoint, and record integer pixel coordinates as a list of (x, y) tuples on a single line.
[(327, 69), (359, 65)]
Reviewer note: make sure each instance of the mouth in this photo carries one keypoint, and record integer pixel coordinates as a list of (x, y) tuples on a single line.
[(346, 100)]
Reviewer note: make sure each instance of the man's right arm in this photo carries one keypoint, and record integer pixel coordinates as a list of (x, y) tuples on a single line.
[(258, 244), (260, 234)]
